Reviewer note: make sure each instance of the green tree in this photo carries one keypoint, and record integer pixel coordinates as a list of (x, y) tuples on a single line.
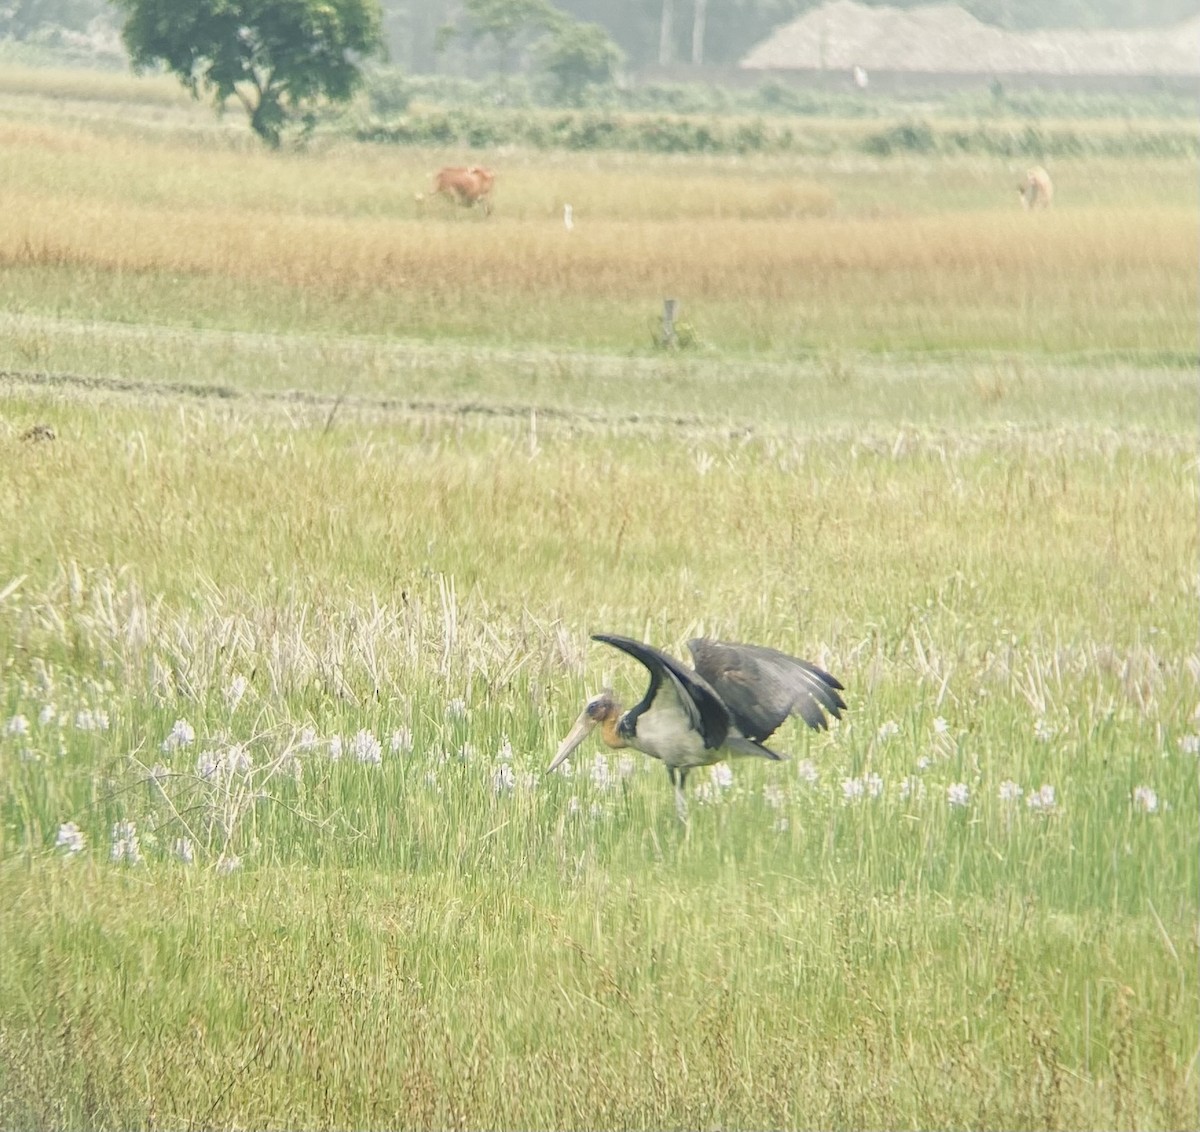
[(279, 58), (577, 56), (505, 22)]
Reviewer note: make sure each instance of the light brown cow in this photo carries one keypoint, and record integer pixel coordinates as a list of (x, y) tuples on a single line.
[(1036, 189), (468, 185)]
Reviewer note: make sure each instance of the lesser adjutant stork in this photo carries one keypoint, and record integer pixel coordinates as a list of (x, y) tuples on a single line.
[(729, 704)]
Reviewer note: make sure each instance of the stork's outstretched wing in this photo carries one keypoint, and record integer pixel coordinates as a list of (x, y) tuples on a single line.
[(761, 687), (697, 699)]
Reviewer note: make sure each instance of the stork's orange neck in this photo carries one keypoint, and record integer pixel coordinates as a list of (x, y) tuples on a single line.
[(609, 733)]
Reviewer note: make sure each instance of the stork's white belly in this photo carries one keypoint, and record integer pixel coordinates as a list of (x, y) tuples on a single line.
[(667, 734)]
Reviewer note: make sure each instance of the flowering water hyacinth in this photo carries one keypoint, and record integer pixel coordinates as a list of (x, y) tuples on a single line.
[(227, 865), (504, 779), (940, 726), (1145, 799), (806, 771), (1041, 800), (722, 776), (456, 708), (307, 739), (366, 748), (401, 741), (505, 752), (125, 845), (185, 850), (46, 715), (601, 777), (887, 730), (855, 789), (235, 692), (207, 764), (1042, 731), (87, 719), (335, 749), (183, 734), (626, 766), (1010, 792), (1190, 744), (71, 838), (237, 760), (774, 796), (957, 794), (17, 725)]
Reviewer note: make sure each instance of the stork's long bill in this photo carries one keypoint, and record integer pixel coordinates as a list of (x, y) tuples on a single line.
[(601, 711)]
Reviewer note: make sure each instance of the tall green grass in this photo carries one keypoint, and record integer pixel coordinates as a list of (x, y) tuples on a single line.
[(295, 608)]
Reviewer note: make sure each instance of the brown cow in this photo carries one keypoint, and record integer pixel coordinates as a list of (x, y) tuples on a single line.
[(1037, 189), (467, 185)]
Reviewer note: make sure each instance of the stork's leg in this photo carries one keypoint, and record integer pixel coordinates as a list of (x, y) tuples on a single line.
[(678, 777)]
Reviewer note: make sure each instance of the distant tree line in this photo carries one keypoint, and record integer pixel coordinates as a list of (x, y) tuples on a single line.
[(470, 36)]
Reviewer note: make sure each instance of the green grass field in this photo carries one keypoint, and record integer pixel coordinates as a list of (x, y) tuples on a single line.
[(295, 609)]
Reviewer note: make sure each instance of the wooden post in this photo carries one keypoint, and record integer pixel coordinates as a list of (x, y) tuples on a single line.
[(670, 310)]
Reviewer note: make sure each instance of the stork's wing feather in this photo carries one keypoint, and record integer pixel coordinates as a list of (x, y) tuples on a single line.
[(703, 706), (761, 687)]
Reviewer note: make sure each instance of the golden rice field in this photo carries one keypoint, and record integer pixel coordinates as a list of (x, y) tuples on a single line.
[(295, 608)]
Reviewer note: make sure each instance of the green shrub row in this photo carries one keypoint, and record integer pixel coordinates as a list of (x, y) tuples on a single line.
[(593, 130)]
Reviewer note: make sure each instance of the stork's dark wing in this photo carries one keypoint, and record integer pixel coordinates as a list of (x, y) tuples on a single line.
[(761, 687), (702, 704)]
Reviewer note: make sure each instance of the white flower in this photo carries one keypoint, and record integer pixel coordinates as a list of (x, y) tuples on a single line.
[(774, 796), (235, 691), (806, 771), (401, 741), (208, 763), (456, 708), (504, 754), (366, 748), (335, 748), (781, 825), (17, 725), (185, 850), (125, 845), (887, 730), (1010, 791), (182, 735), (957, 794), (1145, 799), (853, 789), (528, 780), (1042, 731), (923, 763), (722, 776), (307, 740), (597, 811), (940, 726), (88, 720), (868, 785), (70, 838), (626, 766), (601, 778), (573, 804), (466, 752), (46, 715), (504, 779), (227, 865), (1190, 744), (1041, 800), (237, 759), (159, 774)]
